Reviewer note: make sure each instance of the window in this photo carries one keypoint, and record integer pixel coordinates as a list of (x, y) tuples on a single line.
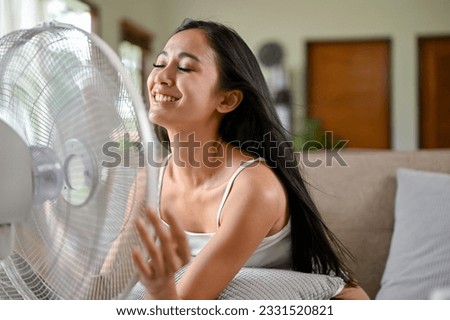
[(131, 56), (135, 50), (21, 14), (81, 14)]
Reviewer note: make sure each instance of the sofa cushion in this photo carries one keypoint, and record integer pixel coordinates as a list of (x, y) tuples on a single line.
[(271, 284), (419, 256)]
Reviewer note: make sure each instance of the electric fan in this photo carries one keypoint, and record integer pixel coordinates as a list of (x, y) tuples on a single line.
[(74, 166)]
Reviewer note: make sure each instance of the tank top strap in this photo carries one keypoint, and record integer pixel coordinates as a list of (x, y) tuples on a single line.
[(230, 184), (225, 195), (160, 182)]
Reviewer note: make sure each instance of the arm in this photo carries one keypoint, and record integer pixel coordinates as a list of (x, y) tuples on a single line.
[(256, 203), (352, 293), (252, 210)]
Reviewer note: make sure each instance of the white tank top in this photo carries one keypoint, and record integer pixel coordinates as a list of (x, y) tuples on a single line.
[(273, 252)]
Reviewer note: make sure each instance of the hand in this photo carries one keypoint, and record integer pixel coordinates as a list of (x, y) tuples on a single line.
[(173, 252)]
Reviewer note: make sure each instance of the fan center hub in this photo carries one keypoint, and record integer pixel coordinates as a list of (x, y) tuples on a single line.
[(79, 173)]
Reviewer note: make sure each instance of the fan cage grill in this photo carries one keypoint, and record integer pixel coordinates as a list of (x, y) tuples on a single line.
[(56, 84)]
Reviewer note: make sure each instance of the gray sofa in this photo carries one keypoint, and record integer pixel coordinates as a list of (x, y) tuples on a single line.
[(358, 199), (360, 194)]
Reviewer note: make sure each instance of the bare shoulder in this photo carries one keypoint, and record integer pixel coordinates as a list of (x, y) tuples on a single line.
[(256, 174), (258, 189), (261, 178)]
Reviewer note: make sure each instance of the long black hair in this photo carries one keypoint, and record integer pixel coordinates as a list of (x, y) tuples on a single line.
[(255, 127)]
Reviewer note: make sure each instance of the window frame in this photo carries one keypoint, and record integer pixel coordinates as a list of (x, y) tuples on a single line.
[(137, 35)]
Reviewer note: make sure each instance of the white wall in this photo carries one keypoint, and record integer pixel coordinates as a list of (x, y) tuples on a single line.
[(292, 22)]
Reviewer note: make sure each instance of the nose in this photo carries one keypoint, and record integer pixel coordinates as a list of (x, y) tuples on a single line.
[(164, 76)]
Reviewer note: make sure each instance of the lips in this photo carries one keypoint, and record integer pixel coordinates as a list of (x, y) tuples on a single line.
[(164, 98)]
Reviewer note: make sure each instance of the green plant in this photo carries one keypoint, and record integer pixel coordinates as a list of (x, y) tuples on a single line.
[(314, 137)]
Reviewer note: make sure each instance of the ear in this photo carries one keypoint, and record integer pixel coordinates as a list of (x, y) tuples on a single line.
[(230, 101)]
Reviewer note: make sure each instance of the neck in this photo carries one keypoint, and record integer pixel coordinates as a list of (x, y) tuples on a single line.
[(196, 158)]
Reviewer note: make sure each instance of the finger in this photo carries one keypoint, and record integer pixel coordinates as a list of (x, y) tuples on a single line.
[(167, 245), (149, 244), (179, 236), (144, 270)]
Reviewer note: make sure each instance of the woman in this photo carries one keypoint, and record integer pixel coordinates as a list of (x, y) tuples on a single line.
[(232, 180)]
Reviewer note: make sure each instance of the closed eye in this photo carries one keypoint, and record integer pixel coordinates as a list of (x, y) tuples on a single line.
[(179, 68), (184, 69)]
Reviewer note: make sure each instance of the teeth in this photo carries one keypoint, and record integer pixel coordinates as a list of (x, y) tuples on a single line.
[(163, 98)]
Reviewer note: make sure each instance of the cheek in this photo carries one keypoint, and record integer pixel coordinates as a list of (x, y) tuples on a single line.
[(150, 80)]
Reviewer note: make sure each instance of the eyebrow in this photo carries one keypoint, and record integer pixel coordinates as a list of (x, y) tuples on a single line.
[(181, 55)]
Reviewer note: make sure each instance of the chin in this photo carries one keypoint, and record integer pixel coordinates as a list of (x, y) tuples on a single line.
[(158, 118), (153, 117)]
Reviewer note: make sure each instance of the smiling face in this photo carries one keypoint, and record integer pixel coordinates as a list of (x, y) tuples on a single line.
[(183, 86)]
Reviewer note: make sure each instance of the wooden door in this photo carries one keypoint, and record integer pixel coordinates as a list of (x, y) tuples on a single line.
[(348, 90), (434, 92)]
